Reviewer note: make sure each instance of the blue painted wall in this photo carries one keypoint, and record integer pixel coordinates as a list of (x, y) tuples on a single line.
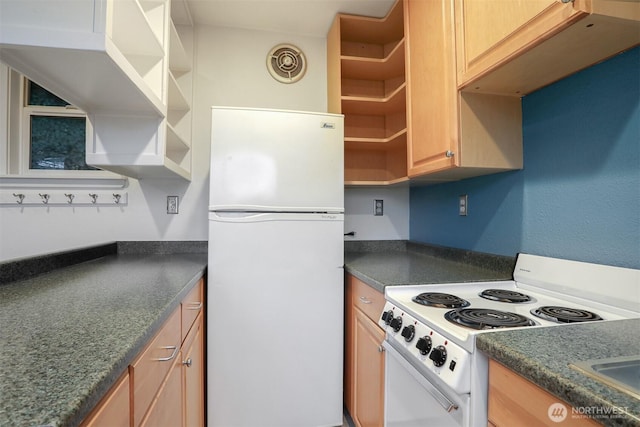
[(578, 196)]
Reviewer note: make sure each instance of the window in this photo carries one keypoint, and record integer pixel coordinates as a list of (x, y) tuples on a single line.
[(56, 131), (42, 137)]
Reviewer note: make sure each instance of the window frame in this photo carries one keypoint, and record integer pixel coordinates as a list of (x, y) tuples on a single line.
[(25, 145), (15, 118)]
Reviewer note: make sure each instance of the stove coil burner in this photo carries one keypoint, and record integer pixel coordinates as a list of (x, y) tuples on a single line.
[(504, 295), (564, 314), (437, 299), (481, 318)]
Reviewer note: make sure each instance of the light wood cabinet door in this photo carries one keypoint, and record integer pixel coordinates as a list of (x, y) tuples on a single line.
[(514, 400), (432, 90), (492, 32), (150, 368), (166, 408), (364, 358), (369, 373), (193, 376), (516, 47), (113, 409)]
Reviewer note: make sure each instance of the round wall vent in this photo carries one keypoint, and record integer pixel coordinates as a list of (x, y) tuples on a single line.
[(286, 63)]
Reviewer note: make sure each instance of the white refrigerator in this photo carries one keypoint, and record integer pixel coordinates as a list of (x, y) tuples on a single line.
[(275, 292)]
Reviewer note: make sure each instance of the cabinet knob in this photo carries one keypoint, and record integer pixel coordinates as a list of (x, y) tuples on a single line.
[(187, 362), (380, 349), (365, 300), (449, 154)]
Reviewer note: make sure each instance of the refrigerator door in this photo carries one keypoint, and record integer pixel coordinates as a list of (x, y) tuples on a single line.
[(272, 160), (275, 297)]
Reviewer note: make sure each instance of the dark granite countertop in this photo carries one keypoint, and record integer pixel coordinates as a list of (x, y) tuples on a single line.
[(68, 334), (388, 263), (543, 355)]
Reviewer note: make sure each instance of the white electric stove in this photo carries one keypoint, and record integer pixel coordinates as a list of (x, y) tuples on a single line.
[(431, 330)]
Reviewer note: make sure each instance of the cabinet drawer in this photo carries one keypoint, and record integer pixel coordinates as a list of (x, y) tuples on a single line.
[(192, 306), (367, 299), (151, 367)]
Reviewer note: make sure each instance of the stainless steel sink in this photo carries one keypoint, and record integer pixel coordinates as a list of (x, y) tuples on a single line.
[(622, 373)]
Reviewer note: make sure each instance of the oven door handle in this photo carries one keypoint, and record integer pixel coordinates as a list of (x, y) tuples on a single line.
[(439, 396)]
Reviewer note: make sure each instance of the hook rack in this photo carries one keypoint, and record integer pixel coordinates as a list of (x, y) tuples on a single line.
[(63, 198), (20, 197)]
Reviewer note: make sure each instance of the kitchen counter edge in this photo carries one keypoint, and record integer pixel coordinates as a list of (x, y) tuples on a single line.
[(543, 355)]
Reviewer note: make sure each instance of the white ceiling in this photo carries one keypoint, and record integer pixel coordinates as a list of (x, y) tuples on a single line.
[(304, 17)]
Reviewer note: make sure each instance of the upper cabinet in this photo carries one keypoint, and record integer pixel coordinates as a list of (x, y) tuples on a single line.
[(98, 55), (465, 66), (452, 135), (516, 47), (126, 63), (394, 79)]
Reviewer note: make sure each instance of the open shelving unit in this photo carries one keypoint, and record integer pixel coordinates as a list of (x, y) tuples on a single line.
[(126, 63), (366, 70)]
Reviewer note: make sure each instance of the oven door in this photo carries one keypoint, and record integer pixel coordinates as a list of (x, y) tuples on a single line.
[(411, 399)]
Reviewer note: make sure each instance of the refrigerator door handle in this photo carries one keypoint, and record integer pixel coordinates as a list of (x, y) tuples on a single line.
[(248, 217)]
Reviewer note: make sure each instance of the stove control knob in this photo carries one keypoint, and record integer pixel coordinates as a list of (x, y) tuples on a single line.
[(387, 316), (408, 332), (396, 323), (424, 345), (438, 355)]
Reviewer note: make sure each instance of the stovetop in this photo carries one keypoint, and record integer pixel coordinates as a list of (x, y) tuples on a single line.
[(401, 297), (592, 290), (447, 350)]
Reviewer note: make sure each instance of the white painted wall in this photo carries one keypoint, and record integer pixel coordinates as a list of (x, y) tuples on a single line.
[(230, 70), (394, 224)]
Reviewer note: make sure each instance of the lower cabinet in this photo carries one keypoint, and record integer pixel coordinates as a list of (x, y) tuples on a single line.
[(514, 400), (364, 356), (166, 408), (193, 376), (164, 385), (113, 410), (149, 371)]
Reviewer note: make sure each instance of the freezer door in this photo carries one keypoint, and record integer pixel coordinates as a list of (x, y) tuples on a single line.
[(275, 320), (270, 160)]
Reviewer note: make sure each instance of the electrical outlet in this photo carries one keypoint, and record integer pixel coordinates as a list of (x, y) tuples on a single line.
[(463, 205), (378, 207), (172, 204)]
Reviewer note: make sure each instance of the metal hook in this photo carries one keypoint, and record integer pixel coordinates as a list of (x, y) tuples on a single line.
[(117, 198), (70, 197), (94, 198), (20, 197), (45, 198)]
